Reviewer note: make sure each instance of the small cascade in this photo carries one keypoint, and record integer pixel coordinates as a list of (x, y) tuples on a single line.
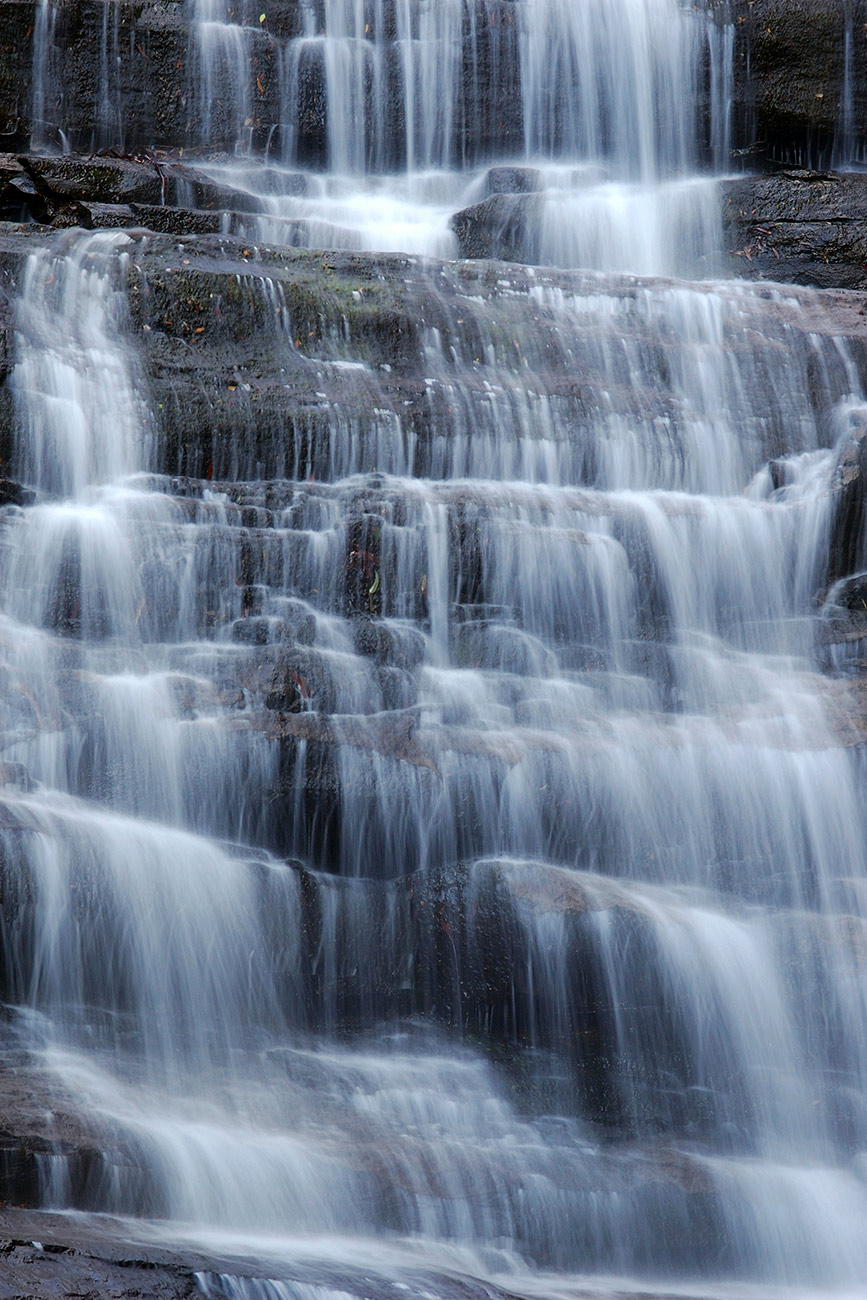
[(721, 54), (371, 87), (72, 380)]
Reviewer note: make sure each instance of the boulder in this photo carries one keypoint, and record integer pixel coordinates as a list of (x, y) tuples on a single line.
[(798, 227), (389, 643), (13, 494), (504, 226), (841, 632), (849, 487)]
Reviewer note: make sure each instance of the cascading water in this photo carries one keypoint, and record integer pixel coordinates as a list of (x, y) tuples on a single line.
[(413, 105), (543, 956)]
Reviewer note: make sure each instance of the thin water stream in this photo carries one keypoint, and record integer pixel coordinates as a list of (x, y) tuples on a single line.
[(525, 944)]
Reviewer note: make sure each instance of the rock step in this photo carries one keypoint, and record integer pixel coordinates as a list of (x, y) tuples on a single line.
[(265, 362), (794, 225)]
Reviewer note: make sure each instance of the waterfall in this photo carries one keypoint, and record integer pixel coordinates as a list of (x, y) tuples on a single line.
[(406, 112), (431, 859)]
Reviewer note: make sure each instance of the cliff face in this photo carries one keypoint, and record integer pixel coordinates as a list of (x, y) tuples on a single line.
[(799, 93), (127, 76)]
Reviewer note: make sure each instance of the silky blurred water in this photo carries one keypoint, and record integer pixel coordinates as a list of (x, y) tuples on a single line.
[(451, 875)]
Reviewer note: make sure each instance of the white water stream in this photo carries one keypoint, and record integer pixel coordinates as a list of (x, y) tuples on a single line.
[(638, 845), (419, 97)]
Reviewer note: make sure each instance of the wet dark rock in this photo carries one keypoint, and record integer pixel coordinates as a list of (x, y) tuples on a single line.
[(504, 226), (13, 494), (841, 629), (789, 60), (300, 621), (489, 118), (798, 195), (190, 188), (850, 594), (254, 600), (261, 630), (17, 20), (177, 221), (148, 70), (93, 186), (46, 1272), (7, 360), (310, 117), (848, 534), (95, 216), (789, 75), (100, 180), (45, 1256), (289, 691), (15, 774), (362, 568), (387, 643), (254, 631), (512, 180), (799, 227), (10, 168), (9, 819), (17, 191), (778, 470)]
